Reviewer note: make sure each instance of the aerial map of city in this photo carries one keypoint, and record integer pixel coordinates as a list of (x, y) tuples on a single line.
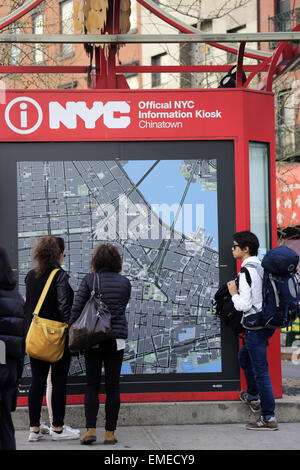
[(162, 215)]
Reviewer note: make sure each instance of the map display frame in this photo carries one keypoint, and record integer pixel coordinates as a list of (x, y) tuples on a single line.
[(164, 336)]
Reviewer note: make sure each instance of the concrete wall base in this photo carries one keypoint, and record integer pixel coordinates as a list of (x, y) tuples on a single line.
[(175, 413)]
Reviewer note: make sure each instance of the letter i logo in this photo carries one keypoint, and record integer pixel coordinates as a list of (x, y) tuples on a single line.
[(23, 115), (23, 120)]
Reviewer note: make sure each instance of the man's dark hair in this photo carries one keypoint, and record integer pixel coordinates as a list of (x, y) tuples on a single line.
[(247, 238)]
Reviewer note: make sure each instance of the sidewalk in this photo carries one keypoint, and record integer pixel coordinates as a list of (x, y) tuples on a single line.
[(184, 425), (178, 437)]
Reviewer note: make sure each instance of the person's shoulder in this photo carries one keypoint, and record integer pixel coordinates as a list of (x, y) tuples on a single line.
[(30, 275), (31, 272), (87, 280), (88, 277), (252, 260), (125, 280), (12, 295), (254, 268), (119, 277), (62, 274), (253, 264)]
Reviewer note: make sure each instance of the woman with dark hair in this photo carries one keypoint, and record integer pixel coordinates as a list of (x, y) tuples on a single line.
[(115, 292), (12, 350), (43, 427), (47, 255)]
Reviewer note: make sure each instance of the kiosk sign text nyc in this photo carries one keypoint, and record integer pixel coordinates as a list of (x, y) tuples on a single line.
[(101, 116)]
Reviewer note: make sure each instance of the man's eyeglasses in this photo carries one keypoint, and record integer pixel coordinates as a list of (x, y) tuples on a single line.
[(234, 247)]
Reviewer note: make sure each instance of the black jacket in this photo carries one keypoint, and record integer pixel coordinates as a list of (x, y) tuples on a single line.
[(12, 334), (58, 302), (115, 290), (12, 327)]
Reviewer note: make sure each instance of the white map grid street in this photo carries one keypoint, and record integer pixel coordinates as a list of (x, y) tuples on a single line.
[(171, 327)]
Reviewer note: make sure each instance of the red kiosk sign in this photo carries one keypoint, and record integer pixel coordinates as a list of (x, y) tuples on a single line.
[(131, 115), (146, 140)]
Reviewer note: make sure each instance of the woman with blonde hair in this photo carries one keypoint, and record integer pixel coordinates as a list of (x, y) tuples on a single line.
[(47, 255)]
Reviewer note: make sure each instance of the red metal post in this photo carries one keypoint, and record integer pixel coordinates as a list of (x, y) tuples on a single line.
[(239, 69)]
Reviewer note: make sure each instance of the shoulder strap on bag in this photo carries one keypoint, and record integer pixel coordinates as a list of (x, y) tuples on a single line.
[(44, 292), (96, 280)]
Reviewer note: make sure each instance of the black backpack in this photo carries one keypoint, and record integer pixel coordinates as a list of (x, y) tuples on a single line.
[(223, 306)]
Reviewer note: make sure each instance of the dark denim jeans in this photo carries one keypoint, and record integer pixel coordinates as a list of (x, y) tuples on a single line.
[(108, 356), (253, 361)]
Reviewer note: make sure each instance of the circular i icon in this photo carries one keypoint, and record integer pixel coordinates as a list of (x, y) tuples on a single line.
[(23, 109)]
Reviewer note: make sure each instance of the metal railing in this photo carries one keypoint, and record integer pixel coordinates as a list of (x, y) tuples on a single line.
[(285, 21)]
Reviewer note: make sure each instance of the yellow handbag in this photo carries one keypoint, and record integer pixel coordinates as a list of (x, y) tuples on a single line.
[(45, 339)]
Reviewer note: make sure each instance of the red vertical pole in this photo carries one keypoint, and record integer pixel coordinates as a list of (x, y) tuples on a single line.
[(97, 67), (242, 198), (274, 350), (239, 69)]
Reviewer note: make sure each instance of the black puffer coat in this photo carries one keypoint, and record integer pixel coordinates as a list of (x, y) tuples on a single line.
[(12, 326), (115, 290), (12, 334)]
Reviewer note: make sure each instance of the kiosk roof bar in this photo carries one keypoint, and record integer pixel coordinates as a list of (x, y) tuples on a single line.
[(293, 36)]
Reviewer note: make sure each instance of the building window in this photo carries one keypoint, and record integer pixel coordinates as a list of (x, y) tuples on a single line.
[(68, 86), (38, 28), (231, 57), (282, 6), (132, 78), (66, 25), (133, 17), (259, 194), (285, 19), (15, 50), (285, 124), (156, 77)]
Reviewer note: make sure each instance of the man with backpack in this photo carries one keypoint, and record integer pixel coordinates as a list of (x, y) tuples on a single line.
[(247, 297)]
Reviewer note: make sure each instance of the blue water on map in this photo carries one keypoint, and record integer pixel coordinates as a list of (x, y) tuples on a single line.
[(166, 184)]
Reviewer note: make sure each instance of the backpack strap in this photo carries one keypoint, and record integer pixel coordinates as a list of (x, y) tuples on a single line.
[(259, 269), (247, 274)]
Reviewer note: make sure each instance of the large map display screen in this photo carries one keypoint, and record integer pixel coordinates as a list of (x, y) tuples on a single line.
[(163, 217)]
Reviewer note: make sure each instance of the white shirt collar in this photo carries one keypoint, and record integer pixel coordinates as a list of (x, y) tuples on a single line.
[(251, 259)]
